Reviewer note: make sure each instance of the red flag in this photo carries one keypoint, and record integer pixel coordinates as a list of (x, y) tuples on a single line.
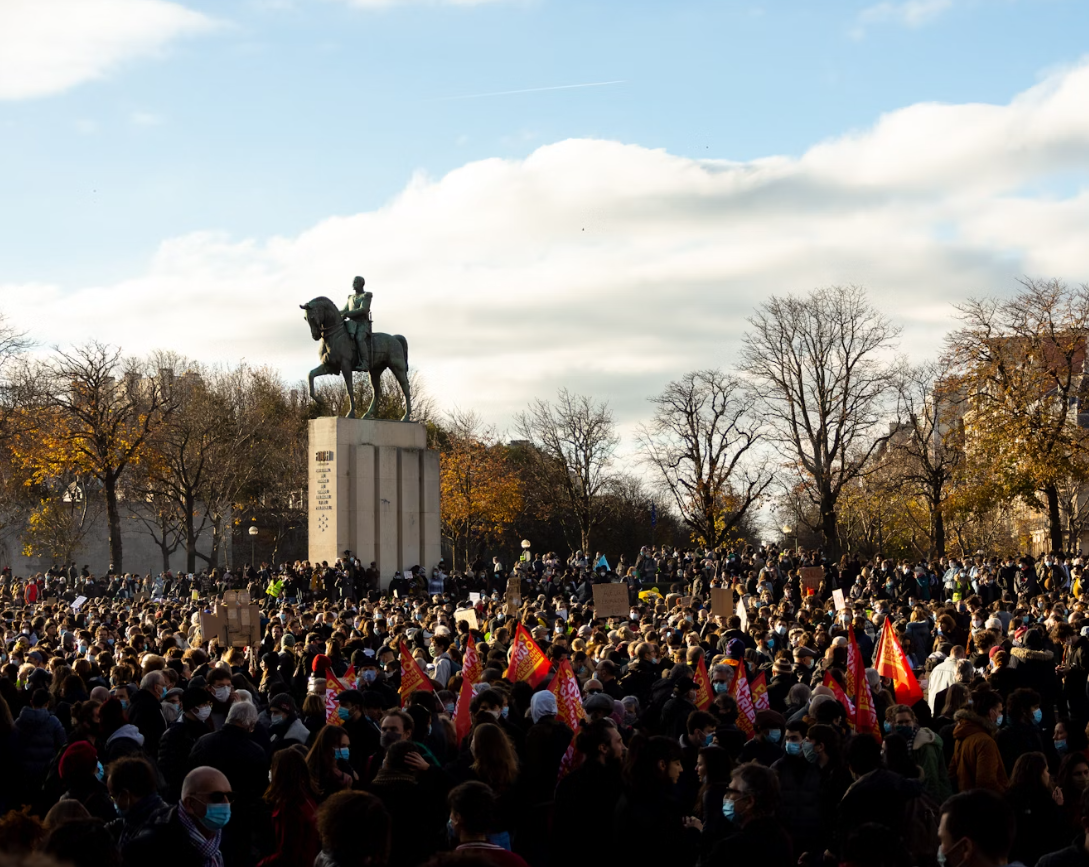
[(865, 710), (527, 661), (569, 710), (333, 688), (890, 661), (471, 669), (841, 697), (703, 685), (412, 676), (739, 689), (759, 690), (349, 678)]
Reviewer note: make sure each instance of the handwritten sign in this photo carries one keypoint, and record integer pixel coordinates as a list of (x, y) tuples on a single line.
[(837, 596), (611, 600), (469, 616), (811, 577), (78, 604), (722, 601)]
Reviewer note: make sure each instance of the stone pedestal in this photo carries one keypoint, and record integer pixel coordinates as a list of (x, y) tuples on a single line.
[(374, 491)]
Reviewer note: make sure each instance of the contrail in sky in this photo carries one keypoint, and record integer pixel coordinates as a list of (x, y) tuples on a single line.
[(536, 89)]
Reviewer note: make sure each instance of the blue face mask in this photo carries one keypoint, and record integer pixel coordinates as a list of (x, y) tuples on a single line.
[(342, 753), (100, 772), (503, 712), (707, 741), (888, 726), (451, 707), (793, 749), (999, 721), (728, 809), (1037, 716), (216, 816), (775, 735), (120, 812), (1060, 746), (344, 713), (809, 752), (369, 675), (720, 688)]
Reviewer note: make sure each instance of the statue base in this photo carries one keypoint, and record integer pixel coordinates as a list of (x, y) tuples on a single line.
[(374, 491)]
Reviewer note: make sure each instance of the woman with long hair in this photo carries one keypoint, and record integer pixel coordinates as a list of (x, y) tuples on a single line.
[(293, 799), (496, 763), (1073, 779), (713, 769), (328, 761), (1037, 803)]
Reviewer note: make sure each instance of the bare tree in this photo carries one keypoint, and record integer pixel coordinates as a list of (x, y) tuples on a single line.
[(96, 412), (699, 444), (573, 445), (929, 438), (816, 364)]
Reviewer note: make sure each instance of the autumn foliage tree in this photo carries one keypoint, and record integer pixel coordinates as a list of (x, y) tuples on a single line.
[(481, 494)]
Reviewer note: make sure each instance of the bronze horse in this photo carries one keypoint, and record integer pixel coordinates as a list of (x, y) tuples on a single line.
[(339, 355)]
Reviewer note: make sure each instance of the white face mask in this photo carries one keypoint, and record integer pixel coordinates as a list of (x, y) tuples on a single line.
[(203, 712), (222, 693)]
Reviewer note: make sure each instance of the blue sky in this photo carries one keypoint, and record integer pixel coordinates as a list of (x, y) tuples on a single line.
[(259, 153)]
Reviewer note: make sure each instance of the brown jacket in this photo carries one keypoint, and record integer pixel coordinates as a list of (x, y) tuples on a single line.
[(977, 763)]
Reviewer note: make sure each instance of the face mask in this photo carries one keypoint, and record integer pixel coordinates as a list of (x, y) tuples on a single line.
[(720, 688), (888, 726), (809, 752), (943, 859), (503, 713), (203, 712), (775, 735), (124, 704), (999, 721), (793, 749), (222, 693), (707, 741), (100, 772), (216, 816), (1060, 746), (343, 713), (450, 708), (1037, 716), (369, 675), (906, 732), (117, 807), (342, 753), (276, 718), (728, 809), (171, 711)]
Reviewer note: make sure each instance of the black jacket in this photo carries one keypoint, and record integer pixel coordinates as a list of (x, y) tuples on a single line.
[(164, 845), (242, 762), (146, 714), (174, 749)]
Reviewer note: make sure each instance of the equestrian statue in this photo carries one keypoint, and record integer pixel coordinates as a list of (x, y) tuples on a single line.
[(348, 345)]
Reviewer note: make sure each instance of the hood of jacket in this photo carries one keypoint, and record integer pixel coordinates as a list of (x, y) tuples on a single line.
[(1023, 654), (128, 730), (924, 737), (968, 723), (37, 715)]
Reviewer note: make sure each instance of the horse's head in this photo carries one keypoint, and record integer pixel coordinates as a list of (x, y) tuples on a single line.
[(320, 313)]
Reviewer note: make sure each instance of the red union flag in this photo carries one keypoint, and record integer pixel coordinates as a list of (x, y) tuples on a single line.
[(841, 697), (569, 710), (739, 689), (333, 688), (890, 661), (759, 690), (703, 685), (865, 711), (471, 669), (412, 676), (349, 679), (527, 662)]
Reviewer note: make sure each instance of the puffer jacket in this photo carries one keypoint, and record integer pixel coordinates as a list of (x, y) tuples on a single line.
[(977, 762), (928, 752), (41, 736), (800, 801)]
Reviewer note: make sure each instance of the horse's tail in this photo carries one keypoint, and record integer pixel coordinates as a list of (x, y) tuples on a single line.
[(400, 338)]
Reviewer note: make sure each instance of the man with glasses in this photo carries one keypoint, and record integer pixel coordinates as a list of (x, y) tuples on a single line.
[(193, 833), (750, 804)]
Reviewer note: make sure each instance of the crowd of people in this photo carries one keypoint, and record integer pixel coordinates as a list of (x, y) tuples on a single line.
[(128, 738)]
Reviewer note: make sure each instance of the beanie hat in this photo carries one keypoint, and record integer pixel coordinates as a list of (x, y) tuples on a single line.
[(80, 759), (321, 664), (194, 697)]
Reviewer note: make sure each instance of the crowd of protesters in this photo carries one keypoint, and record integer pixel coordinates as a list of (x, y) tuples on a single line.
[(129, 738)]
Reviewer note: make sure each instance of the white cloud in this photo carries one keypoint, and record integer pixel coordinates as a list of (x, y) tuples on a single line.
[(383, 4), (146, 118), (611, 268), (911, 13), (49, 46)]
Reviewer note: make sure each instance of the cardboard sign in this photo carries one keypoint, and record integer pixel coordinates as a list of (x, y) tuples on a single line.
[(684, 602), (474, 597), (469, 616), (143, 597), (514, 595), (611, 600), (722, 601), (235, 623), (837, 596), (562, 614), (78, 604), (743, 615), (811, 577)]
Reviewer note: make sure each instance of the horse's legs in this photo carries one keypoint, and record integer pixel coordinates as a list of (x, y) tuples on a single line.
[(376, 392), (400, 371), (321, 370), (347, 373)]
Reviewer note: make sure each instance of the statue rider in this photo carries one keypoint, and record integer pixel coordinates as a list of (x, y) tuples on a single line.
[(357, 320)]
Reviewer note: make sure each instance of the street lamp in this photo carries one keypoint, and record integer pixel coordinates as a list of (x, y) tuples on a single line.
[(787, 530), (253, 537)]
